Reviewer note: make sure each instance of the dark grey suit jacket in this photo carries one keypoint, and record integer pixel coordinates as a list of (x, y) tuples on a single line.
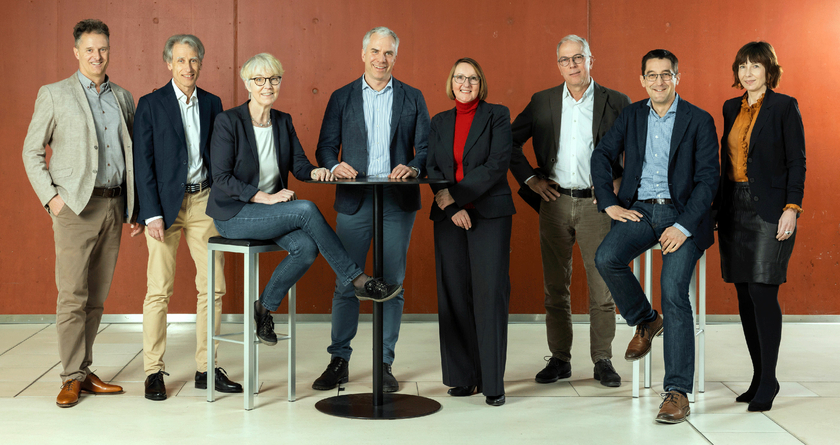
[(343, 130), (541, 120)]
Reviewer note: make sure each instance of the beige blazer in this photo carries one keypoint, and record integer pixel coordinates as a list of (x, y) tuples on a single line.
[(62, 120)]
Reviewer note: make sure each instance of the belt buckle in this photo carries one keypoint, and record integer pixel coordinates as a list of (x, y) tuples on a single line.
[(116, 191), (659, 201)]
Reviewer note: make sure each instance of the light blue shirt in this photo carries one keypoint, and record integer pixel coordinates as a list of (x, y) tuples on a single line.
[(654, 183), (378, 106)]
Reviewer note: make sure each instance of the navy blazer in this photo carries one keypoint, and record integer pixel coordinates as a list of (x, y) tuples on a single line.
[(161, 157), (344, 130), (542, 119), (693, 167), (236, 162), (486, 160), (776, 168)]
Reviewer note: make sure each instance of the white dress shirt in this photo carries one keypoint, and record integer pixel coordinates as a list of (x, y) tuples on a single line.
[(575, 145)]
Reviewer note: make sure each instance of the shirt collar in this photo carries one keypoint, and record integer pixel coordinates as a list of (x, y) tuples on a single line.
[(671, 110), (368, 87), (183, 97), (89, 84), (590, 90)]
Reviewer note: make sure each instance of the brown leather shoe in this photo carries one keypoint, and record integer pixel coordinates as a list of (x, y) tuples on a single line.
[(93, 384), (674, 408), (69, 394), (640, 344)]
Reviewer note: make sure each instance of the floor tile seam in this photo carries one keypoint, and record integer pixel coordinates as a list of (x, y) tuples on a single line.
[(783, 428), (39, 378), (126, 365), (27, 338)]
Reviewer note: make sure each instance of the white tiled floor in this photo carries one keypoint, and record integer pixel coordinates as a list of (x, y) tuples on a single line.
[(577, 410)]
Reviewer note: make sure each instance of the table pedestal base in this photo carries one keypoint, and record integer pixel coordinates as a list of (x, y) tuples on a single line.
[(394, 406)]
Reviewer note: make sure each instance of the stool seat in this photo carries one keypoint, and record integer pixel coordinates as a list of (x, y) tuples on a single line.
[(250, 248), (222, 241)]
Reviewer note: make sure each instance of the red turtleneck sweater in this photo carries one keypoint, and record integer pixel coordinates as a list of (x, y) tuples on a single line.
[(463, 120)]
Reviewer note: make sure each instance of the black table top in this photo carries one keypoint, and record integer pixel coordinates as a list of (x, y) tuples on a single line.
[(380, 180)]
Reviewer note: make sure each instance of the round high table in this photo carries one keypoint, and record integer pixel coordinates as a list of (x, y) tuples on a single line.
[(378, 405)]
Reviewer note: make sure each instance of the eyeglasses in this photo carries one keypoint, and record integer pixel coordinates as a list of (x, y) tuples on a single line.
[(666, 77), (577, 59), (260, 81), (460, 78)]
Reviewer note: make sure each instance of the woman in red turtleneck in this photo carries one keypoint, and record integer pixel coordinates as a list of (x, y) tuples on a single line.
[(470, 146)]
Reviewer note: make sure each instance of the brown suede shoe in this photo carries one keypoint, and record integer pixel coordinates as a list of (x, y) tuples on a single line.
[(93, 384), (674, 408), (69, 394), (640, 344)]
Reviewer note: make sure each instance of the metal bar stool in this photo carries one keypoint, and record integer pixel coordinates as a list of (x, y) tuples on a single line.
[(251, 249), (697, 297)]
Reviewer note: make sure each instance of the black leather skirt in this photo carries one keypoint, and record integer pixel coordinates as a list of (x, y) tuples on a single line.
[(749, 251)]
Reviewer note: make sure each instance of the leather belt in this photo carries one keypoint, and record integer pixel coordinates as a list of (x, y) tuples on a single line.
[(195, 188), (579, 193), (656, 201), (112, 192)]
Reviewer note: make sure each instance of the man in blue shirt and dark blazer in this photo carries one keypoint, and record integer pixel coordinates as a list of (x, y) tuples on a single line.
[(172, 134), (671, 173), (379, 126)]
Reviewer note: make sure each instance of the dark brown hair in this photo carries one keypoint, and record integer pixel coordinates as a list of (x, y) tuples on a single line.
[(661, 54), (482, 84), (90, 25), (758, 52)]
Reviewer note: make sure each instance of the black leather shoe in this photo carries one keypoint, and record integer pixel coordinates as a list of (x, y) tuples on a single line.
[(223, 383), (555, 369), (495, 400), (463, 391), (265, 326), (389, 382), (155, 388), (605, 372), (337, 372), (377, 290)]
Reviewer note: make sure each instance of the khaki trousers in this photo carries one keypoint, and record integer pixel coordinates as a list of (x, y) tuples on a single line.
[(160, 280), (562, 222), (86, 249)]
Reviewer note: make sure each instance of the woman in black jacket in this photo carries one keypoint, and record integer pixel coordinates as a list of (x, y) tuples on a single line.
[(470, 146), (760, 198)]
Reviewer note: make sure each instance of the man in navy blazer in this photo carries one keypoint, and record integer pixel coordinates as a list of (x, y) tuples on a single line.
[(379, 126), (671, 174), (172, 133)]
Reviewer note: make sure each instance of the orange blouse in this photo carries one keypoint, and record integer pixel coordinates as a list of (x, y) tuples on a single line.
[(738, 143)]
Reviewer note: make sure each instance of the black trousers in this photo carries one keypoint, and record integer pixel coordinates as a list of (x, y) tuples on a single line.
[(473, 284)]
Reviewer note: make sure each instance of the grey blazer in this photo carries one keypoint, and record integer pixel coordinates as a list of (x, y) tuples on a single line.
[(343, 130), (62, 120)]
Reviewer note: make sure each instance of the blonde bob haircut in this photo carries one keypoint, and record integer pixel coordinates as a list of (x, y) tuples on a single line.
[(262, 61), (482, 81)]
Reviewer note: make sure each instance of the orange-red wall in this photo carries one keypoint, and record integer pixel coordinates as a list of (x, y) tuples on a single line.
[(319, 44)]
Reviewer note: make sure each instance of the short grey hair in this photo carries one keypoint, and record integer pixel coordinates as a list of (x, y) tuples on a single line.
[(184, 39), (382, 31), (573, 38), (263, 61)]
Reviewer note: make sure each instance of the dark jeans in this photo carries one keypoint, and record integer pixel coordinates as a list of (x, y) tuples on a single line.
[(356, 233), (300, 229), (626, 241)]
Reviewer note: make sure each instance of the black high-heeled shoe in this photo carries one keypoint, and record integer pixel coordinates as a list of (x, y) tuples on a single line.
[(495, 400), (758, 406), (463, 391)]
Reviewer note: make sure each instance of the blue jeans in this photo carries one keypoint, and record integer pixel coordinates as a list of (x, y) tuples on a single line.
[(626, 241), (356, 234), (300, 229)]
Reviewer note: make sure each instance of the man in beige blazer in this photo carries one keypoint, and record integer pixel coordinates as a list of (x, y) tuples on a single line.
[(88, 190)]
